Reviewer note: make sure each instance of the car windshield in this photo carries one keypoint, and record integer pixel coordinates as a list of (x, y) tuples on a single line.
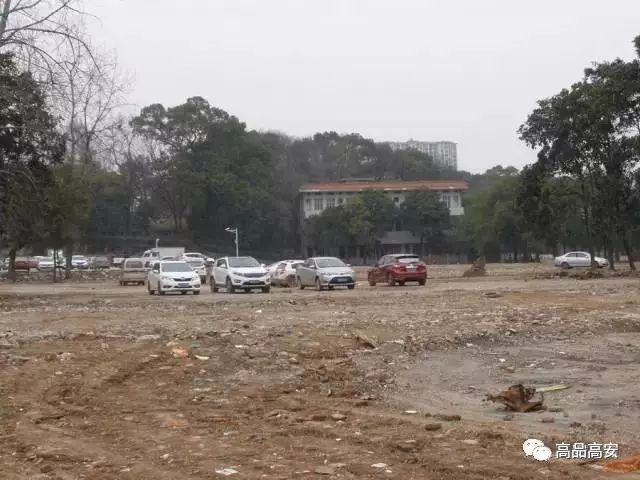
[(330, 262), (240, 262), (78, 257), (408, 259), (133, 264), (176, 267)]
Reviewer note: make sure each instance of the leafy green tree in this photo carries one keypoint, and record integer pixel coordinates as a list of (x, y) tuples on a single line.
[(368, 215), (494, 221), (426, 216), (590, 132), (29, 145)]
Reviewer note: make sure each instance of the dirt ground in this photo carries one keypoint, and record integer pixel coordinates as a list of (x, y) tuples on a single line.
[(106, 382)]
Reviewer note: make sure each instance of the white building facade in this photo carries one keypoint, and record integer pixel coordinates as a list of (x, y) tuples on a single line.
[(316, 197), (443, 153)]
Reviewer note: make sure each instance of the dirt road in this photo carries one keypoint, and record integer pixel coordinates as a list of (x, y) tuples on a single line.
[(105, 382)]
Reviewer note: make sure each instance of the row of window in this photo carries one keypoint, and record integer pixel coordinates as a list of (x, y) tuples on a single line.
[(318, 203)]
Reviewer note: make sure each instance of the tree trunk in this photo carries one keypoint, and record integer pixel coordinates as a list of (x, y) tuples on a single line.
[(587, 221), (55, 265), (4, 18), (611, 238), (628, 249), (68, 252), (12, 265)]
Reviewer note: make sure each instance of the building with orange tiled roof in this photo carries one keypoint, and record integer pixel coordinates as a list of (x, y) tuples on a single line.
[(317, 197)]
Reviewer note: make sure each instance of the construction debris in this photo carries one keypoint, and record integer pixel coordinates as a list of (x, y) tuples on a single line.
[(553, 388), (366, 340), (477, 269), (517, 398), (623, 465)]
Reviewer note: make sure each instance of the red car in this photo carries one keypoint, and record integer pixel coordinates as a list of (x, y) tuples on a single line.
[(26, 263), (398, 269)]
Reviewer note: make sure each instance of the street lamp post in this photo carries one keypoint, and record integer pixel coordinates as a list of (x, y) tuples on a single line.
[(235, 231)]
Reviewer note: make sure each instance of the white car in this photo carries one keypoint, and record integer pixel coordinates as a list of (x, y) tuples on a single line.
[(271, 268), (45, 263), (199, 267), (579, 259), (239, 273), (79, 261), (285, 273), (190, 255), (174, 276)]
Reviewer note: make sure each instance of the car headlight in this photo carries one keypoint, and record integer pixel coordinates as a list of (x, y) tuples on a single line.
[(166, 278)]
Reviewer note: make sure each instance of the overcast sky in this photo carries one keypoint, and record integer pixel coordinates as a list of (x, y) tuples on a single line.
[(467, 71)]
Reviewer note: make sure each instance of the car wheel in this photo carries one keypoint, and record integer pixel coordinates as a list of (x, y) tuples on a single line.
[(266, 289), (421, 282), (291, 282), (149, 289), (299, 282), (318, 285), (391, 281), (183, 293), (160, 292), (351, 287), (330, 287), (196, 292), (213, 286), (565, 265), (229, 286)]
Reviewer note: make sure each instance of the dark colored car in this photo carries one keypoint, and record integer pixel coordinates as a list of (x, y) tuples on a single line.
[(398, 269), (26, 263)]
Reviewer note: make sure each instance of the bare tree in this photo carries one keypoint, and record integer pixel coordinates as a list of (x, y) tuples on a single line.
[(87, 91), (34, 29)]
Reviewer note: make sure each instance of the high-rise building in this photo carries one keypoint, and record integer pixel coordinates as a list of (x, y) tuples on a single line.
[(443, 153)]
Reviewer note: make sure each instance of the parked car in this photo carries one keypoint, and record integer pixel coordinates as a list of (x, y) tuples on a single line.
[(132, 271), (398, 269), (579, 259), (199, 267), (98, 263), (46, 264), (80, 262), (117, 261), (285, 273), (271, 268), (159, 253), (325, 272), (24, 263), (190, 255), (174, 276), (239, 273)]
